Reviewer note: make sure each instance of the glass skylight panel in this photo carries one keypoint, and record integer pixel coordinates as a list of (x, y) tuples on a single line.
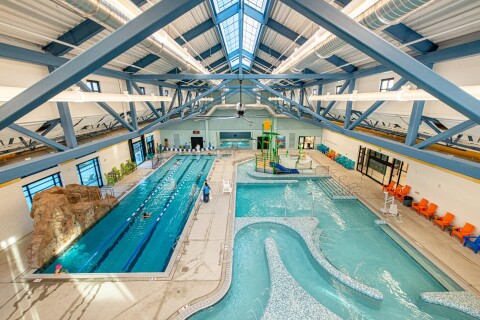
[(221, 5), (258, 5), (246, 62), (230, 33), (251, 28), (235, 62)]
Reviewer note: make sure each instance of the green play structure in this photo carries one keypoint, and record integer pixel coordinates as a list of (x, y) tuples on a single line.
[(269, 160)]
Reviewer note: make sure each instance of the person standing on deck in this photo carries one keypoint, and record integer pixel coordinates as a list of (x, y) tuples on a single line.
[(206, 192)]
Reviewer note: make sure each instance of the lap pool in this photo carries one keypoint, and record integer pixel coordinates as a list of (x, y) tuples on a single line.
[(123, 241), (350, 240)]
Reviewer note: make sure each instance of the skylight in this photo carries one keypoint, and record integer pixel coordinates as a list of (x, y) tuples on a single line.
[(258, 5), (230, 33), (251, 28), (221, 5), (230, 24)]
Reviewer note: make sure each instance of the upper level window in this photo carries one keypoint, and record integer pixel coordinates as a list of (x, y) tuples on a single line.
[(338, 89), (386, 84), (142, 90), (31, 189), (314, 92), (94, 85), (89, 173)]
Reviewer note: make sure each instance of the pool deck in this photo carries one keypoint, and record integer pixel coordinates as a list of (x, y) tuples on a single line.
[(200, 269), (460, 263)]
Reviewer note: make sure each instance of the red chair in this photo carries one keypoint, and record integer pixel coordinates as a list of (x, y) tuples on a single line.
[(444, 221), (430, 211), (402, 194), (420, 205), (466, 231), (389, 187)]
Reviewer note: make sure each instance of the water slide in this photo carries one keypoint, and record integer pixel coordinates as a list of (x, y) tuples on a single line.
[(282, 169)]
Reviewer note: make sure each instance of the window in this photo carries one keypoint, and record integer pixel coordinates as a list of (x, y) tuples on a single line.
[(142, 90), (258, 5), (314, 93), (89, 173), (94, 85), (338, 90), (31, 189), (229, 29), (166, 92), (386, 84), (221, 5)]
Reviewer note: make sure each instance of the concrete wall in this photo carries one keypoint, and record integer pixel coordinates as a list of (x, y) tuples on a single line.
[(451, 192), (14, 211)]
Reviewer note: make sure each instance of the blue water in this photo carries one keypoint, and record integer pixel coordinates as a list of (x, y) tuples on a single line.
[(235, 145), (350, 240), (125, 242)]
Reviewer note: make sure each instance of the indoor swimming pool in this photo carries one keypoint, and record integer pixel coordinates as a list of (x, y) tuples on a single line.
[(351, 241), (124, 241), (235, 145)]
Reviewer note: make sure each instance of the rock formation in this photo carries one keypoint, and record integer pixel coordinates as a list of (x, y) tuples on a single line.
[(62, 214)]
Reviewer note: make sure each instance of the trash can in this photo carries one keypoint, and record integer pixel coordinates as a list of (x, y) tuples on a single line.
[(407, 201)]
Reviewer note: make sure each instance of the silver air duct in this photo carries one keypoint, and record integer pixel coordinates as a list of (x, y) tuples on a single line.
[(109, 17), (381, 14)]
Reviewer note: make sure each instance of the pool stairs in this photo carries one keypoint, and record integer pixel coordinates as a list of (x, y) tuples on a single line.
[(334, 190)]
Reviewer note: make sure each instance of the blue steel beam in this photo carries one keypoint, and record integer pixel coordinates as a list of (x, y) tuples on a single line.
[(106, 107), (348, 110), (75, 36), (148, 103), (446, 134), (67, 124), (151, 126), (415, 122), (38, 137), (222, 69), (254, 94), (139, 3), (286, 32), (377, 104), (142, 63), (133, 110), (405, 34), (99, 54), (336, 76), (172, 103), (207, 53), (215, 64), (195, 32), (388, 55), (327, 123), (339, 62), (273, 53), (332, 103)]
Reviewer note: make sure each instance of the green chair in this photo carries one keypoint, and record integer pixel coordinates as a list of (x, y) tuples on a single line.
[(111, 179)]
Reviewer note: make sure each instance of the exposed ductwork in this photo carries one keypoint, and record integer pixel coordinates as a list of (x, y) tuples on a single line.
[(111, 18), (212, 110), (383, 13)]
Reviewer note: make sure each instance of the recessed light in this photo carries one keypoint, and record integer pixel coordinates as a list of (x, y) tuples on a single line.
[(26, 159)]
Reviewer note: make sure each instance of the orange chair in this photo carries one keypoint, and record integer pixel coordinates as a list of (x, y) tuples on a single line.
[(402, 194), (444, 221), (420, 205), (430, 211), (466, 231), (398, 189), (389, 187)]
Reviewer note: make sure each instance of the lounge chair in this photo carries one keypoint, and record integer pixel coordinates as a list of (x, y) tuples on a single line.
[(402, 194), (444, 221), (475, 244), (461, 233), (227, 187), (389, 187), (397, 189), (420, 205), (430, 211)]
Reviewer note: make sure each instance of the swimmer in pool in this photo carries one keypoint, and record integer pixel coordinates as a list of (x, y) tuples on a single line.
[(146, 215)]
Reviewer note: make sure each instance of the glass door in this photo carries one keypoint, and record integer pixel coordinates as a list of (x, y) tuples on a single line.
[(138, 152)]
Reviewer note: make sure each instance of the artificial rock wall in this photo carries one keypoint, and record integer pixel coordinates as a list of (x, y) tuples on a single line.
[(62, 214)]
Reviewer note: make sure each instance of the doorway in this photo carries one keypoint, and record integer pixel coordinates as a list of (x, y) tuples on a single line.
[(380, 167), (150, 145), (138, 152), (196, 141), (306, 142)]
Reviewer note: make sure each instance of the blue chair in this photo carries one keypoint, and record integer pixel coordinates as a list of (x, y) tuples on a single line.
[(475, 245)]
